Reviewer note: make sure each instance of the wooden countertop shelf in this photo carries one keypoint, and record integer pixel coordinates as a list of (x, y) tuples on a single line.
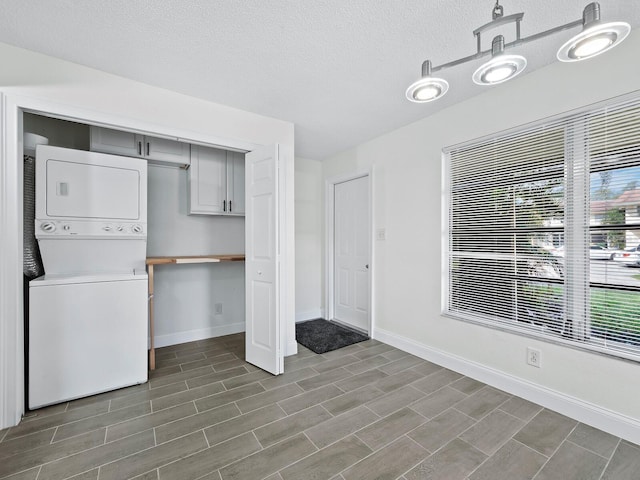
[(195, 259)]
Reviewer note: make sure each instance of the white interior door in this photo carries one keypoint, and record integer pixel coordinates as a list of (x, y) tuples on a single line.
[(262, 264), (351, 253)]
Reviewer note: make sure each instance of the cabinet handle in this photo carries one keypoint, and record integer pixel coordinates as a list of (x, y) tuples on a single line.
[(139, 148), (224, 205), (147, 149), (229, 205)]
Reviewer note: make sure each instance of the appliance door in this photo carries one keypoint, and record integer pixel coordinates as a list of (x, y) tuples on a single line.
[(86, 337), (74, 184), (72, 255)]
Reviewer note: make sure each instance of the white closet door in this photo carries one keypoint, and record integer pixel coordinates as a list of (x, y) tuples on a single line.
[(262, 263), (351, 250)]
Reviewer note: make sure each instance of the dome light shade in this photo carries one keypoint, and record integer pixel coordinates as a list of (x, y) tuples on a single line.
[(593, 40), (427, 89), (499, 69)]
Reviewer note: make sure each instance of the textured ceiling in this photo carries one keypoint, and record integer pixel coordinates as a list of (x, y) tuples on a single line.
[(337, 69)]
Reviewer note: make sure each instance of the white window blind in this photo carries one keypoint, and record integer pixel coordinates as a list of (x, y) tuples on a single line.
[(544, 229)]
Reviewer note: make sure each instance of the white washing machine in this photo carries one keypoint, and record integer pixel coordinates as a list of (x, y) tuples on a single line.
[(88, 320), (87, 335)]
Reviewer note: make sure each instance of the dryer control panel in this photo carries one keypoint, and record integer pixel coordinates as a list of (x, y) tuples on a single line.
[(89, 229)]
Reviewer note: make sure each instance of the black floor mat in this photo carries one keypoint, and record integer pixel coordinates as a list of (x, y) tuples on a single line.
[(323, 336)]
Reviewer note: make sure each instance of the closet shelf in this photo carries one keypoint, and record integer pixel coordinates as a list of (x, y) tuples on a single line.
[(195, 259)]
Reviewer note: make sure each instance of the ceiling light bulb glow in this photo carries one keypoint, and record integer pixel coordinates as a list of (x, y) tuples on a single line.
[(427, 89), (592, 46), (593, 41), (499, 69), (428, 92), (499, 73)]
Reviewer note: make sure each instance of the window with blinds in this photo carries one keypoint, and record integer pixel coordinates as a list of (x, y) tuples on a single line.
[(544, 229)]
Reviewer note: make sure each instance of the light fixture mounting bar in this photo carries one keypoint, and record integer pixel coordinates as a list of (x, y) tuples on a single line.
[(496, 22), (546, 33), (515, 43)]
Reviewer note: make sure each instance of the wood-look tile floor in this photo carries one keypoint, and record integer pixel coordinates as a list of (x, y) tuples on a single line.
[(368, 411)]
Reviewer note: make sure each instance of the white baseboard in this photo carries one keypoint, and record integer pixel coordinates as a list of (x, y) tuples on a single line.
[(204, 333), (580, 410), (199, 334), (309, 315)]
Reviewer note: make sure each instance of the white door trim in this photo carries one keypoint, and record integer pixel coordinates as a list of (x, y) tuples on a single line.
[(329, 242), (11, 302), (12, 368)]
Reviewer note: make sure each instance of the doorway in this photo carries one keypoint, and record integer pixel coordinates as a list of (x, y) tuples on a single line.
[(349, 259)]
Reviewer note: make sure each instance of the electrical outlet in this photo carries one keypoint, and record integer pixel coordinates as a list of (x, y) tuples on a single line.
[(533, 357), (218, 308)]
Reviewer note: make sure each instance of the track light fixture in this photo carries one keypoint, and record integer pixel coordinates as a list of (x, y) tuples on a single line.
[(594, 39)]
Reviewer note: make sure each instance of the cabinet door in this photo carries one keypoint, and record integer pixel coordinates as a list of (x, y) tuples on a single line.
[(235, 183), (166, 151), (116, 142), (207, 181)]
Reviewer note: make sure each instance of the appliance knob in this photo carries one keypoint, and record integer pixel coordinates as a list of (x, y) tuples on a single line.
[(48, 227), (136, 228), (66, 227), (107, 228), (120, 228)]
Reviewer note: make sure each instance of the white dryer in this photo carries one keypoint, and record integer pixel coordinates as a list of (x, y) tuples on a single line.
[(88, 314)]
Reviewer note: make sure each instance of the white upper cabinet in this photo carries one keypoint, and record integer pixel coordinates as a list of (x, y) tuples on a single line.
[(130, 144), (235, 183), (216, 182), (207, 179)]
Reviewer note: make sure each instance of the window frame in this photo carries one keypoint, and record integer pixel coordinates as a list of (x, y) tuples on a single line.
[(580, 281)]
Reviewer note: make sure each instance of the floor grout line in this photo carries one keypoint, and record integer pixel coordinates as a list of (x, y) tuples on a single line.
[(610, 458), (429, 454), (585, 448)]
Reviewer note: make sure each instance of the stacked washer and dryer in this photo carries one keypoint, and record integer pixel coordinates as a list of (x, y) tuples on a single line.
[(88, 313)]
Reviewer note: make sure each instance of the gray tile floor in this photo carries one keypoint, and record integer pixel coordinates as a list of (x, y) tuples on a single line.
[(368, 411)]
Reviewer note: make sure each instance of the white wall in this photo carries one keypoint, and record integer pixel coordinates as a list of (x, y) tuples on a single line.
[(45, 83), (407, 291), (185, 295), (309, 231)]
